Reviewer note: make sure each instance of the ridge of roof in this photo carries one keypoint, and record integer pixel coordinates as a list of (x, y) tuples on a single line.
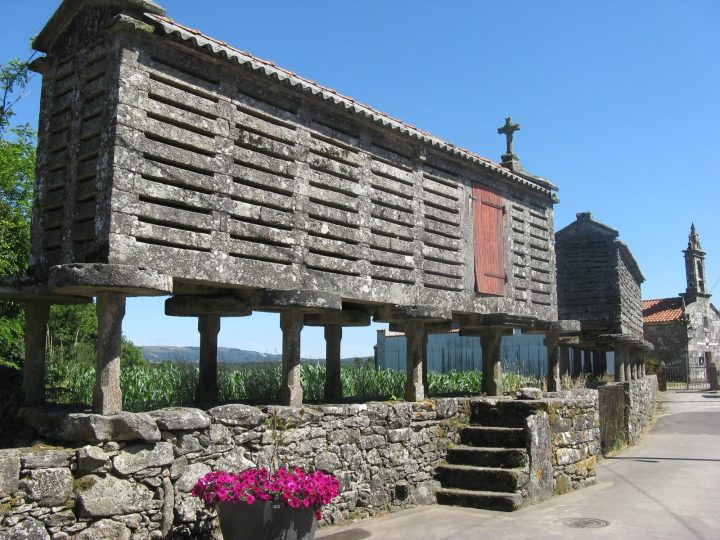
[(171, 27)]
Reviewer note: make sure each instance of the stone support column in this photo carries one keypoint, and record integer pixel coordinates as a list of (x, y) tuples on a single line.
[(425, 362), (553, 362), (620, 360), (587, 361), (564, 361), (107, 397), (37, 314), (207, 388), (415, 335), (628, 365), (492, 372), (633, 365), (599, 363), (576, 362), (291, 323), (333, 383)]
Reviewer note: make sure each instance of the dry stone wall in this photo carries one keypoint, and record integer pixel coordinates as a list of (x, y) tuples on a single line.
[(130, 475), (640, 400), (575, 432)]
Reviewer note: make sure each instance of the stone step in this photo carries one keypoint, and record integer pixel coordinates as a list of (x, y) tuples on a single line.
[(503, 412), (488, 456), (497, 437), (480, 478), (487, 500)]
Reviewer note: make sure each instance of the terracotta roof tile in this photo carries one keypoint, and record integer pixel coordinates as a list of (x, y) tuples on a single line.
[(662, 310)]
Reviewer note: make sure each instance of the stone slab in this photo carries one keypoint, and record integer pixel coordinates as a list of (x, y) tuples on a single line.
[(181, 418), (93, 428), (91, 279)]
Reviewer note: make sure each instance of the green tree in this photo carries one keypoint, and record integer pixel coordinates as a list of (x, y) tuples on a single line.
[(17, 179)]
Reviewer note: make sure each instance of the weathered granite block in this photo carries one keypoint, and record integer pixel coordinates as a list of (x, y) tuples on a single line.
[(49, 487)]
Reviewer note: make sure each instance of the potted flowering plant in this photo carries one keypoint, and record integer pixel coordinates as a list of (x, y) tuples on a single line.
[(257, 504)]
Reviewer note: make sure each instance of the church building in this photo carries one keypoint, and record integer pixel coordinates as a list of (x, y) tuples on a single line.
[(685, 329)]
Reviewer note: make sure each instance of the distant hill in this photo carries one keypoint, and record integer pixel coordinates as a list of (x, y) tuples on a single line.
[(225, 355)]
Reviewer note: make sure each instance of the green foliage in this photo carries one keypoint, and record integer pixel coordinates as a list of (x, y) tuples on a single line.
[(14, 77), (17, 179), (512, 382), (150, 386), (568, 382)]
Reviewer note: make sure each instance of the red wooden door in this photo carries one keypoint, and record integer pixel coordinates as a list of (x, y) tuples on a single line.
[(489, 240)]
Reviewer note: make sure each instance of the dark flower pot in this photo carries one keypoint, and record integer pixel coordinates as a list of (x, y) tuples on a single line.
[(265, 521)]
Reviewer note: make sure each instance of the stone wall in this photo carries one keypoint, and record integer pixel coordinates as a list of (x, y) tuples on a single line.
[(640, 399), (631, 318), (575, 438), (130, 475), (670, 341)]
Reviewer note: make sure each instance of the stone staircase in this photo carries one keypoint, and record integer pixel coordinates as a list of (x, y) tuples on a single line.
[(489, 469)]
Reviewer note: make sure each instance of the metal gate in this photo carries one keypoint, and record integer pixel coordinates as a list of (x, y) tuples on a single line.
[(687, 378)]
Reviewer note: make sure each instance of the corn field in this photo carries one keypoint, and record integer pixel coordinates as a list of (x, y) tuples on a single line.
[(155, 386)]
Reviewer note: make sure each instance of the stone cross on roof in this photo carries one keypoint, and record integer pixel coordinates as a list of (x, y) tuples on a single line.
[(508, 129)]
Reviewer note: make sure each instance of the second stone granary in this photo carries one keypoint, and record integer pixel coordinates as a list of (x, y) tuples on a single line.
[(598, 284), (172, 163)]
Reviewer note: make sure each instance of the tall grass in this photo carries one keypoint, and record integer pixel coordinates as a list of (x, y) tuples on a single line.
[(155, 386)]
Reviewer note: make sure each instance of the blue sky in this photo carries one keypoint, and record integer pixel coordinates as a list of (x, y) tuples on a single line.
[(618, 102)]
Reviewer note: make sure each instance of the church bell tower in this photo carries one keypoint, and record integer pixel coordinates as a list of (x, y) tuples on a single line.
[(694, 268)]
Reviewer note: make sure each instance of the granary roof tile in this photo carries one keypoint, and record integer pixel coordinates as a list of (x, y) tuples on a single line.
[(190, 35), (662, 310)]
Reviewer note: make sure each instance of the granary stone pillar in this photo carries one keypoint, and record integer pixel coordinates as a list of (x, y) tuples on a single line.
[(587, 361), (599, 363), (621, 358), (564, 361), (576, 362), (333, 383), (415, 335), (634, 365), (425, 361), (492, 371), (291, 323), (110, 309), (207, 387), (332, 324), (553, 361), (628, 365), (37, 314)]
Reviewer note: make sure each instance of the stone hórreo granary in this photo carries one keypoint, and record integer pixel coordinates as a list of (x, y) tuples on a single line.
[(171, 163), (598, 283)]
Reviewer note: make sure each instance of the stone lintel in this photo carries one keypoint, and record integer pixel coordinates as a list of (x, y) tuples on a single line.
[(26, 289), (480, 331), (91, 279), (498, 320), (398, 314), (564, 327), (631, 341), (305, 300), (342, 318), (430, 327), (196, 306)]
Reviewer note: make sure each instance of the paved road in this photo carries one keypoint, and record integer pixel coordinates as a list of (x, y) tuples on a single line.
[(665, 487)]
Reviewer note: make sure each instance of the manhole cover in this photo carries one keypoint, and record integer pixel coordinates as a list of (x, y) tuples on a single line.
[(584, 523)]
